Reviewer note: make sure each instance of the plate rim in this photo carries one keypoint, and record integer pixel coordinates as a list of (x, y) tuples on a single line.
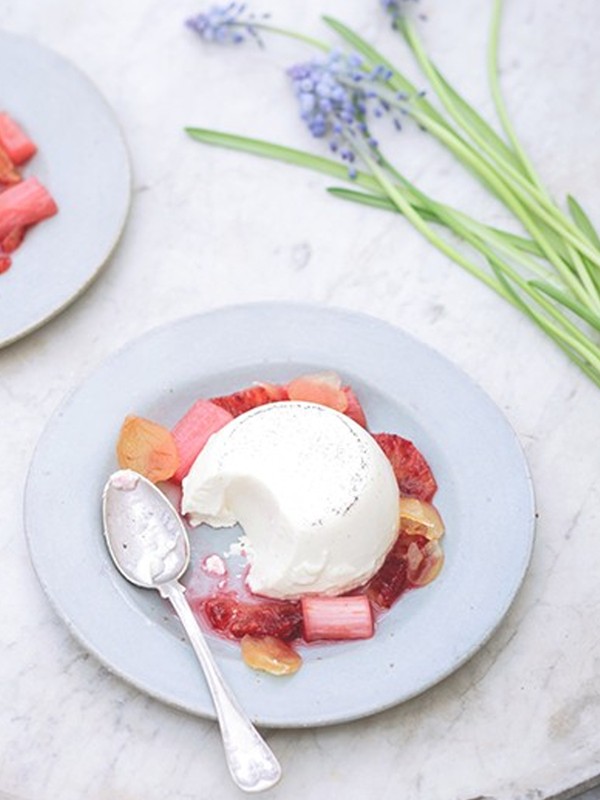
[(29, 327)]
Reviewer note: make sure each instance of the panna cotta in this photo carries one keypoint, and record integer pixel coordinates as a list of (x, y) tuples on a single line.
[(314, 493)]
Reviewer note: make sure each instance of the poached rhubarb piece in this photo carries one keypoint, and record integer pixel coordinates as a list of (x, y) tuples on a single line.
[(23, 204), (349, 617), (9, 174), (247, 399), (193, 430), (234, 618), (412, 471), (12, 240), (14, 140)]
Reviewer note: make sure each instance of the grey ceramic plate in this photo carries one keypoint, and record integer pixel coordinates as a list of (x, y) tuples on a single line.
[(83, 162), (485, 497)]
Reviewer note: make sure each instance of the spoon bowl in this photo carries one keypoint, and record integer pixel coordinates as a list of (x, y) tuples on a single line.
[(149, 545)]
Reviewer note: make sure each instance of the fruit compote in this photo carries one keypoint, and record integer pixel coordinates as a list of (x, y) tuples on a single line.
[(268, 629)]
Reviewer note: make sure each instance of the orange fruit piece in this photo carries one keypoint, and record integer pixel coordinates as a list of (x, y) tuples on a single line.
[(270, 654), (147, 448), (322, 388)]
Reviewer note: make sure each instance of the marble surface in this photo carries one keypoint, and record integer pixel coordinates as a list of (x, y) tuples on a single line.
[(210, 228)]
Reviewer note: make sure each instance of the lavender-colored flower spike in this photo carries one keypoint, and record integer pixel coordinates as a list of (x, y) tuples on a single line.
[(395, 8), (226, 24), (335, 96)]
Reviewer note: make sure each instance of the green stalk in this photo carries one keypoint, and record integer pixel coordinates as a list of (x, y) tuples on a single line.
[(374, 58), (288, 155), (423, 227), (483, 239), (495, 183), (517, 243), (430, 118), (499, 100), (547, 328), (459, 110), (581, 311), (299, 37), (513, 247), (570, 335)]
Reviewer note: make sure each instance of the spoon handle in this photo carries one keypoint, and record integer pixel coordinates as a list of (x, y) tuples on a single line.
[(251, 762)]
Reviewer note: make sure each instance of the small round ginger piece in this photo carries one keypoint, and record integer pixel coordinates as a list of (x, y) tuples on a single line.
[(148, 448)]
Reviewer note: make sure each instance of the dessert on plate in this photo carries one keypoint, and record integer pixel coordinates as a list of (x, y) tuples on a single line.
[(337, 522)]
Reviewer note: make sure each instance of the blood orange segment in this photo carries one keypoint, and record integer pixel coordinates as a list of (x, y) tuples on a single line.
[(193, 430), (25, 203), (354, 410), (246, 399), (147, 448), (270, 654), (391, 580), (412, 471), (232, 617), (14, 140), (337, 617)]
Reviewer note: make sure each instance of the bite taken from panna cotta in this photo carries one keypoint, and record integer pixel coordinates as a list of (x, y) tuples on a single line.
[(314, 493)]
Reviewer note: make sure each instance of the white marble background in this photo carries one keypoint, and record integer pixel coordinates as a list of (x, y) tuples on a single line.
[(208, 228)]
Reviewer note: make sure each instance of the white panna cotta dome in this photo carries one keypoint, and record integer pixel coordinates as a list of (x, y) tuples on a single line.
[(313, 491)]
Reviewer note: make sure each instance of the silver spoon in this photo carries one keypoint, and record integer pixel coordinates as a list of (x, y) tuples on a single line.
[(149, 545)]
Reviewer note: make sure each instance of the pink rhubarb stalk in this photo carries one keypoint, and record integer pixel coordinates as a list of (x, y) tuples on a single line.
[(24, 204), (337, 617)]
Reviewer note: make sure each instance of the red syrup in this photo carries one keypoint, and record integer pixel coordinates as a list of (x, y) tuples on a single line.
[(225, 605)]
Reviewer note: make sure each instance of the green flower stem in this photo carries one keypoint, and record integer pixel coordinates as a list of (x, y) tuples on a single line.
[(538, 319), (495, 183), (423, 227), (423, 107), (288, 155), (374, 58), (581, 311), (474, 125), (299, 37), (456, 106), (435, 123), (568, 334), (486, 242), (532, 191), (499, 100), (511, 245), (454, 219), (518, 244)]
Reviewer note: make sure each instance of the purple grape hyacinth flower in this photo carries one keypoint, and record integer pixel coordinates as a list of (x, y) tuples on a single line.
[(335, 95), (395, 8), (226, 24)]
